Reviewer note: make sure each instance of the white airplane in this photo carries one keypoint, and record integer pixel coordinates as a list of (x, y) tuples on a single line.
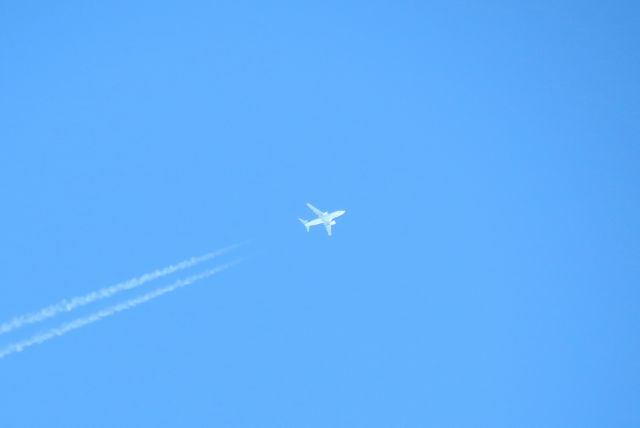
[(326, 218)]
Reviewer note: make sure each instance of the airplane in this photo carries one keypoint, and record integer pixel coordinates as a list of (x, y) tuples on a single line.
[(326, 218)]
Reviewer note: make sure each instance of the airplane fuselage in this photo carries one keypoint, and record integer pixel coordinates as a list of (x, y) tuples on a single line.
[(334, 215)]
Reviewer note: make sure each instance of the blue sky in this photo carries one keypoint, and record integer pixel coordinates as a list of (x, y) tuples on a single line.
[(486, 272)]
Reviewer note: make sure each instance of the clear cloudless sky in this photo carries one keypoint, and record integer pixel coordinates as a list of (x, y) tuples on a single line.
[(486, 273)]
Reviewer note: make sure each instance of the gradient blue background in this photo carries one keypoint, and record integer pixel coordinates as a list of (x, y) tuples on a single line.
[(485, 275)]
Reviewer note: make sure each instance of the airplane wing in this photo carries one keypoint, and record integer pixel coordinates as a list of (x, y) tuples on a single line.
[(328, 227), (315, 210)]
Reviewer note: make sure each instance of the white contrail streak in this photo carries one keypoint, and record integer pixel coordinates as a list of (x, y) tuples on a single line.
[(71, 304), (112, 310)]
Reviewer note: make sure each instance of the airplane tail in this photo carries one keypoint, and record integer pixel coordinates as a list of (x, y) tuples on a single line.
[(305, 223)]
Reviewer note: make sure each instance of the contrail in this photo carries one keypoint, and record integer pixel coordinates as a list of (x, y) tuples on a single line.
[(97, 316), (69, 305)]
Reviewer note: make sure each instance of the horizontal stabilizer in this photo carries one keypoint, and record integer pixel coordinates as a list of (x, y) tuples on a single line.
[(306, 223)]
